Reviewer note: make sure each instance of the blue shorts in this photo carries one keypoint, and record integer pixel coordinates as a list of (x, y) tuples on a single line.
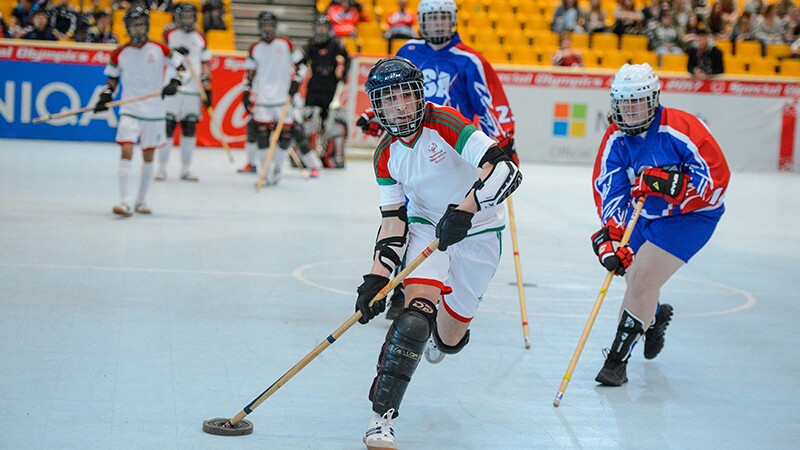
[(682, 235)]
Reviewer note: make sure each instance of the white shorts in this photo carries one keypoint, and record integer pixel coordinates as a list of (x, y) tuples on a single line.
[(272, 114), (181, 106), (463, 272), (148, 133)]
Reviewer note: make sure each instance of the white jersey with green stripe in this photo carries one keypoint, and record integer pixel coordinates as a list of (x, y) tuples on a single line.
[(435, 167)]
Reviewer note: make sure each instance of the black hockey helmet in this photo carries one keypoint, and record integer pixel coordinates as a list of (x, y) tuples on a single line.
[(321, 28), (395, 89), (137, 24), (267, 25), (185, 16)]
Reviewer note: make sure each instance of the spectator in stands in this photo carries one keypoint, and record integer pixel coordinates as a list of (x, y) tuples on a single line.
[(565, 17), (754, 7), (693, 24), (101, 32), (13, 29), (792, 26), (768, 28), (214, 15), (743, 29), (651, 14), (40, 29), (64, 20), (705, 59), (784, 7), (566, 56), (593, 20), (344, 16), (795, 49), (701, 8), (627, 20), (401, 23), (3, 27), (681, 12), (665, 37), (24, 13), (717, 22)]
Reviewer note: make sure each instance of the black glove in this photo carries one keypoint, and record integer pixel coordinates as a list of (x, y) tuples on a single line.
[(366, 292), (206, 81), (453, 226), (105, 97), (293, 87), (182, 50), (508, 147), (248, 105), (171, 88)]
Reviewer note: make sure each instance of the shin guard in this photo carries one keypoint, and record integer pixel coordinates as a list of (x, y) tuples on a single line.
[(629, 331), (400, 355), (450, 349)]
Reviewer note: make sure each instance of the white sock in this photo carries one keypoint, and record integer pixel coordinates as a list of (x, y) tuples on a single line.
[(123, 174), (187, 148), (144, 183), (311, 160), (163, 156), (250, 151), (262, 157)]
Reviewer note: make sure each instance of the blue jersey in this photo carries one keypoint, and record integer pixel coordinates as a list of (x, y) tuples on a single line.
[(459, 77)]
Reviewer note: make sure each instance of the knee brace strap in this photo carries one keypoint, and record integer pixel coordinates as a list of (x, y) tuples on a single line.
[(189, 126), (450, 349), (171, 124), (285, 139), (628, 332), (262, 135), (252, 131)]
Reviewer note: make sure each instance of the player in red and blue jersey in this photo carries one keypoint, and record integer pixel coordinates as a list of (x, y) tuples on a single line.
[(670, 157)]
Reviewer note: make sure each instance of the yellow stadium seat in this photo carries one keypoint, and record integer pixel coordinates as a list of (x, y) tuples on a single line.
[(374, 46), (351, 45), (221, 40), (591, 58), (369, 30), (633, 43), (528, 8), (614, 59), (726, 47), (580, 40), (545, 39), (790, 67), (748, 49), (516, 38), (778, 50), (536, 23), (495, 54), (524, 55), (498, 6), (762, 66), (645, 57), (480, 22), (604, 41), (734, 65), (675, 62)]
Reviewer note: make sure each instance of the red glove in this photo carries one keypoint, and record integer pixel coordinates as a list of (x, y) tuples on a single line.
[(369, 124), (606, 246), (670, 185)]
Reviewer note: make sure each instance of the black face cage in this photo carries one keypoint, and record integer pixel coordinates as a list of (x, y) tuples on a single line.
[(136, 22), (437, 27), (187, 20), (400, 108), (634, 129), (268, 35)]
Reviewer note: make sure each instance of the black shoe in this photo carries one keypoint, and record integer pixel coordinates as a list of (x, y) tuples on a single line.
[(654, 336), (613, 373), (397, 303)]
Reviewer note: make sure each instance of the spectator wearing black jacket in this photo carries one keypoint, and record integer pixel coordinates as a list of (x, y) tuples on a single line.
[(705, 59), (64, 20), (40, 30)]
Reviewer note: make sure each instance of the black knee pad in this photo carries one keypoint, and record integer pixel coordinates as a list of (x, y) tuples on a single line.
[(171, 124), (628, 332), (450, 349), (262, 136), (189, 126), (300, 138), (252, 131), (400, 355), (285, 139)]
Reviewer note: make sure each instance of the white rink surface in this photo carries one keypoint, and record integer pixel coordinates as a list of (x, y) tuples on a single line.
[(128, 333)]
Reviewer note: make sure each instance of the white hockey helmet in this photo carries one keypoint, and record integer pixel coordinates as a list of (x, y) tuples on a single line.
[(634, 98), (437, 20)]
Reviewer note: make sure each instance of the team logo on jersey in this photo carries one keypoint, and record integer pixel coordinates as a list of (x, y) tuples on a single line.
[(569, 119), (435, 154)]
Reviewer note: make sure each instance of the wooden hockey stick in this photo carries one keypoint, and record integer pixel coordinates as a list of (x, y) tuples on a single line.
[(272, 143), (110, 105), (231, 424), (520, 286), (299, 163), (214, 122), (596, 309)]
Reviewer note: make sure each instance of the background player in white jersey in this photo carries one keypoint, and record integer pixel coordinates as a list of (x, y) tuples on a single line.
[(454, 177), (184, 108), (139, 66), (271, 78)]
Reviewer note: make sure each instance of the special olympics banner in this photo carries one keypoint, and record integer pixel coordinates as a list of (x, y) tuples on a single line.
[(42, 78)]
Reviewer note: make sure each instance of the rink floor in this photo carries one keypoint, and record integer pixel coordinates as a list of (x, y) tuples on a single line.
[(128, 333)]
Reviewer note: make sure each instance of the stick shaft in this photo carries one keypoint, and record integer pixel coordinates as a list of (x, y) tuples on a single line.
[(333, 336), (210, 109), (72, 112), (520, 286), (273, 141), (299, 163), (596, 308)]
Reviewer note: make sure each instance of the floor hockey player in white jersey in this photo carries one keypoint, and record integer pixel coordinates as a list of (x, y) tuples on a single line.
[(271, 79), (184, 107), (454, 177), (139, 66)]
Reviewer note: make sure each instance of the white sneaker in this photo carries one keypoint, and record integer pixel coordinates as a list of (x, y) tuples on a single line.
[(380, 432), (432, 353), (187, 176), (142, 208), (161, 175), (122, 210)]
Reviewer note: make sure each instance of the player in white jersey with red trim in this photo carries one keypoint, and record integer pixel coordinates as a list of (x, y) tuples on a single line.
[(454, 177), (184, 108), (271, 78), (139, 66)]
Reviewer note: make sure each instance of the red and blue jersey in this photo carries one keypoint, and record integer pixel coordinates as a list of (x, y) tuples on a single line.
[(459, 77), (676, 141)]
